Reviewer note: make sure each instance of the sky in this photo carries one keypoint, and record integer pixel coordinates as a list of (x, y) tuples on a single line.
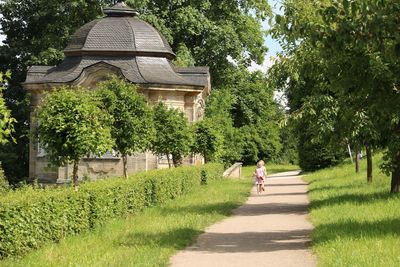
[(273, 45)]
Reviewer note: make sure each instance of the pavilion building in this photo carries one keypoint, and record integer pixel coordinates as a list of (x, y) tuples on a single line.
[(120, 44)]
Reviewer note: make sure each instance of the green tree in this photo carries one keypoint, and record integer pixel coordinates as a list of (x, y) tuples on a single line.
[(212, 30), (132, 127), (207, 140), (172, 133), (6, 121), (184, 58), (357, 41), (247, 117), (6, 129), (4, 185), (37, 31), (70, 125), (219, 109)]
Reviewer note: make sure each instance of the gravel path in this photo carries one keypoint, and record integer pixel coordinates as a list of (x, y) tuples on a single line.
[(271, 229)]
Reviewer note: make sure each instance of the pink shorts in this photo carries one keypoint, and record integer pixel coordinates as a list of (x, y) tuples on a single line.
[(259, 181)]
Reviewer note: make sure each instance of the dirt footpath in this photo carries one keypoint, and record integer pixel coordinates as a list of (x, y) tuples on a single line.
[(271, 229)]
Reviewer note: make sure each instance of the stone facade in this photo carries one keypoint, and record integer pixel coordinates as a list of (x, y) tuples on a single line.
[(146, 62)]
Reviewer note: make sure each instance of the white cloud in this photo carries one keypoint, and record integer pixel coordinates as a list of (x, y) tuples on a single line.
[(232, 61), (268, 62), (281, 99)]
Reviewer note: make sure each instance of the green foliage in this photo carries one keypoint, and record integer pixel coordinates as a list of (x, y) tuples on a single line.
[(4, 186), (289, 140), (212, 30), (48, 57), (36, 32), (173, 135), (246, 115), (29, 218), (6, 121), (132, 121), (348, 50), (207, 140), (203, 177), (70, 125), (316, 155), (149, 238), (132, 127), (184, 57)]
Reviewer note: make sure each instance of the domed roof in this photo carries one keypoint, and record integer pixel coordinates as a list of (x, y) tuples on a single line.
[(119, 32), (123, 44)]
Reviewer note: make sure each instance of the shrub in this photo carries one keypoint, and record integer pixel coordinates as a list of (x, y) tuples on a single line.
[(4, 186), (317, 155), (29, 218)]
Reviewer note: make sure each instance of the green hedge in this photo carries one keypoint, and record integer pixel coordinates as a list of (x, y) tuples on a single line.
[(29, 218)]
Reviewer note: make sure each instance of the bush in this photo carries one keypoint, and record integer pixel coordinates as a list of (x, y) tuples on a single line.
[(316, 155), (4, 186), (29, 218)]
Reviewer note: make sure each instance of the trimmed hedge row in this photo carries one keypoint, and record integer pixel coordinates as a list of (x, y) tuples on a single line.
[(30, 218)]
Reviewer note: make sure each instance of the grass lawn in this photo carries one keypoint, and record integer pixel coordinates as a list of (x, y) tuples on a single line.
[(356, 224), (149, 238)]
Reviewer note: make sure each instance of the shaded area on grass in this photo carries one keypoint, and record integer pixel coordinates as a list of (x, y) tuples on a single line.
[(356, 198), (223, 208), (355, 230), (175, 238), (356, 223)]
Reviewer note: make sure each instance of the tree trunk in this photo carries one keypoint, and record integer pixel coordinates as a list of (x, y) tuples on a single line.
[(169, 161), (177, 160), (396, 175), (205, 157), (125, 163), (75, 175), (369, 163), (357, 157)]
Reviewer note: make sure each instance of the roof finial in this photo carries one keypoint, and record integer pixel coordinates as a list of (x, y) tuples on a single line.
[(120, 9)]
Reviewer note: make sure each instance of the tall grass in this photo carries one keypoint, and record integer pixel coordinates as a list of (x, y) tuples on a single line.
[(356, 224), (149, 238)]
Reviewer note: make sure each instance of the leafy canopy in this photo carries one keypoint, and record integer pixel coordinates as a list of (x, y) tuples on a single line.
[(132, 127), (71, 124), (172, 132), (207, 140), (6, 121)]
